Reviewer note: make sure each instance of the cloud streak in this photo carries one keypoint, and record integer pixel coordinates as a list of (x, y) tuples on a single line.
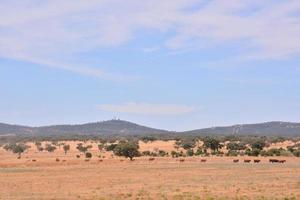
[(148, 109), (57, 31)]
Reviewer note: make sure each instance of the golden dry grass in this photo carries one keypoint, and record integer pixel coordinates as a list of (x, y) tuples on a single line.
[(163, 178)]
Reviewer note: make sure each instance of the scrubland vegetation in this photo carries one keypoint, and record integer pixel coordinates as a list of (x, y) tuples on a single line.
[(208, 167)]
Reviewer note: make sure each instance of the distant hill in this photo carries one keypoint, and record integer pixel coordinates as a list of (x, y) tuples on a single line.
[(125, 128), (111, 127), (262, 129)]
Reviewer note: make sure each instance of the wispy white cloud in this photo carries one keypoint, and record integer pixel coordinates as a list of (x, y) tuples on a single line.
[(148, 109), (56, 31)]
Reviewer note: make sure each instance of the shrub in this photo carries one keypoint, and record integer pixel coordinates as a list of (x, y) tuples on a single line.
[(190, 152), (148, 139), (110, 147), (88, 155), (82, 148), (296, 153), (236, 146), (252, 152), (258, 144), (146, 153), (162, 153), (175, 154), (50, 148), (232, 153), (199, 152)]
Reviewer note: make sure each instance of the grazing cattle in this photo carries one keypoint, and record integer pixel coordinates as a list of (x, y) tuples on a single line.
[(181, 160), (256, 161), (273, 160), (151, 159), (236, 160), (33, 160), (203, 160), (282, 161), (57, 159), (100, 160), (247, 161)]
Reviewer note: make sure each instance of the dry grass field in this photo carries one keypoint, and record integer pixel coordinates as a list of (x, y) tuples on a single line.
[(163, 178)]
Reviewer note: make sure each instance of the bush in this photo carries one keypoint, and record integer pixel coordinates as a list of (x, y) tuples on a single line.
[(199, 152), (50, 148), (146, 153), (258, 144), (110, 147), (148, 139), (236, 146), (296, 153), (88, 155), (175, 154), (162, 153), (252, 152), (82, 148), (190, 152), (232, 153)]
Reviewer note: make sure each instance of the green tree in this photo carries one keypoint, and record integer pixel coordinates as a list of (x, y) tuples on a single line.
[(50, 148), (66, 148), (16, 148), (212, 143), (258, 144), (127, 149)]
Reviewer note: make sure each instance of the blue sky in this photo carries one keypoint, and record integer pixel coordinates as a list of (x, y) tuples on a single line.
[(177, 65)]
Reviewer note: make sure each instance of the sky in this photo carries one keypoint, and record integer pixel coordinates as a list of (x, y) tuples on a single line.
[(172, 64)]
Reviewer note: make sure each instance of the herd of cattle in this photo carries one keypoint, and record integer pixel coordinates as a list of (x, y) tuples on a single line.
[(237, 160), (258, 161)]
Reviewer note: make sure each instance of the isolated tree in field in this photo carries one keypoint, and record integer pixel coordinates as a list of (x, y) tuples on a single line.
[(50, 148), (212, 143), (19, 149), (66, 148), (16, 148), (127, 149)]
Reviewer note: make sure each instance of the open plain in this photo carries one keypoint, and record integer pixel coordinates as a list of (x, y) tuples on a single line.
[(38, 175)]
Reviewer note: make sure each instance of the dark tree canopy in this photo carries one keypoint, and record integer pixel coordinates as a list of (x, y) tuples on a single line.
[(127, 149), (212, 143), (66, 148)]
